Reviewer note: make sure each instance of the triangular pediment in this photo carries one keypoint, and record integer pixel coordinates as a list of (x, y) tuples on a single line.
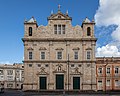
[(30, 48), (89, 48), (42, 71), (76, 72), (42, 48), (59, 48), (76, 48), (59, 16)]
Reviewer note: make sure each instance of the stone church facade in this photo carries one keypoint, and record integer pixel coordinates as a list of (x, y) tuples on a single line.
[(59, 56)]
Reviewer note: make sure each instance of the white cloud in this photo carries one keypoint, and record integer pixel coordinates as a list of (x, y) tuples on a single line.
[(5, 62), (108, 13), (116, 34), (108, 50)]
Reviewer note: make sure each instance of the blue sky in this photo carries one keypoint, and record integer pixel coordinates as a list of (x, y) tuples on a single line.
[(14, 12)]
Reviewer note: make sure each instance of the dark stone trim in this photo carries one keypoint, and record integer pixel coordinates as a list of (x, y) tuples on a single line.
[(89, 84), (58, 40), (56, 61), (4, 67), (59, 18), (29, 83)]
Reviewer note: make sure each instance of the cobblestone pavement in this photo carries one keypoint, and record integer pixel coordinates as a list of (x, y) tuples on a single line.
[(21, 93)]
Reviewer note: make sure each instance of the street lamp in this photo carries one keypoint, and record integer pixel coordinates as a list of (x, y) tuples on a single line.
[(68, 71)]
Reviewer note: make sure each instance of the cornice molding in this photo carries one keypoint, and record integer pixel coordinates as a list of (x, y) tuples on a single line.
[(55, 16), (76, 48), (57, 61), (42, 48), (58, 39), (5, 67)]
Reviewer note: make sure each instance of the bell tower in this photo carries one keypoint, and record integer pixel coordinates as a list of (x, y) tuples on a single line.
[(30, 27), (88, 49), (88, 28)]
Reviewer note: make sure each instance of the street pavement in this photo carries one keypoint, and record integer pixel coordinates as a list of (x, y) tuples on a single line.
[(21, 93)]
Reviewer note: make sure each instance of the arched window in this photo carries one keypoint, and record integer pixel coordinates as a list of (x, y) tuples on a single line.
[(30, 31), (88, 31)]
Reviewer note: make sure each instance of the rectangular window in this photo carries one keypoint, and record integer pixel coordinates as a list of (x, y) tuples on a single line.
[(88, 55), (79, 65), (17, 78), (9, 72), (1, 72), (30, 55), (39, 65), (17, 72), (116, 82), (63, 29), (17, 84), (55, 29), (9, 85), (30, 65), (42, 55), (108, 83), (72, 65), (75, 55), (116, 70), (108, 70), (59, 29), (46, 65), (10, 78), (22, 73), (1, 77), (100, 82), (59, 55), (100, 70), (22, 79)]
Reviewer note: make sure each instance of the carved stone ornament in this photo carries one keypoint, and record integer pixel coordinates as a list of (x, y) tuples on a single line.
[(59, 48), (42, 71), (59, 14), (76, 48), (42, 48), (76, 72), (88, 48), (30, 48), (59, 69)]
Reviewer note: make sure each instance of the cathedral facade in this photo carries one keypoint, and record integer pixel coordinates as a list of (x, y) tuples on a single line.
[(59, 56)]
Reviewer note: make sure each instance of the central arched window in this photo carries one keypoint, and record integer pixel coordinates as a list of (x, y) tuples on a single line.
[(88, 31), (30, 31)]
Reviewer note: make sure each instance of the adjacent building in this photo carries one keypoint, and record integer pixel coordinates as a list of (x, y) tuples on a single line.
[(59, 56), (12, 76), (108, 73)]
